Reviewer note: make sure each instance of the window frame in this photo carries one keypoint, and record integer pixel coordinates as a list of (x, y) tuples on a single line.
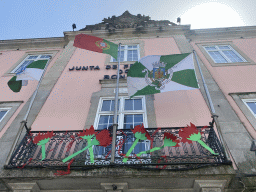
[(250, 100), (223, 43), (126, 49), (220, 51), (27, 59), (4, 108), (121, 111), (9, 72), (12, 106)]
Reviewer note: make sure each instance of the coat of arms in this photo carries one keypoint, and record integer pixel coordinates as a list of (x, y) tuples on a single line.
[(103, 45), (159, 76)]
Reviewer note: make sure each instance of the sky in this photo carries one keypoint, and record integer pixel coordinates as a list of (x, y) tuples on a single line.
[(23, 19)]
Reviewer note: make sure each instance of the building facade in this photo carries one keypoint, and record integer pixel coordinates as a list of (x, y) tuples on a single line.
[(78, 91)]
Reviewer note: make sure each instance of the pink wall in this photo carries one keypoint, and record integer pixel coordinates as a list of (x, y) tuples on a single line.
[(68, 105), (8, 59), (233, 79), (176, 108)]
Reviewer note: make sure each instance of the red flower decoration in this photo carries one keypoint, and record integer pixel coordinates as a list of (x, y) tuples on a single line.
[(187, 132), (42, 136), (140, 129), (170, 139), (104, 138), (88, 132)]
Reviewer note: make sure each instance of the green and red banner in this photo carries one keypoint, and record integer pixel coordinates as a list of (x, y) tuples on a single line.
[(96, 44)]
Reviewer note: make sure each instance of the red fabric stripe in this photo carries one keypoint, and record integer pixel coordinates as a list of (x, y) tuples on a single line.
[(84, 41)]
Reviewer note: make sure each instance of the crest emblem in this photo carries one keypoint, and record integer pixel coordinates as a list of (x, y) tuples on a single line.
[(159, 76), (103, 45)]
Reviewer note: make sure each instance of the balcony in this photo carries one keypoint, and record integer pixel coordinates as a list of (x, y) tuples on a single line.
[(63, 144)]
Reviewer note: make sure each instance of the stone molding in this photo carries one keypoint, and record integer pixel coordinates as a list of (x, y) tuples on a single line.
[(115, 187), (209, 185), (24, 187), (18, 44)]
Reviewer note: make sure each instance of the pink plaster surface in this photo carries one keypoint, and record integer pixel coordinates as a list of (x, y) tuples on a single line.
[(8, 59), (232, 79), (179, 108), (68, 104), (176, 108), (161, 46)]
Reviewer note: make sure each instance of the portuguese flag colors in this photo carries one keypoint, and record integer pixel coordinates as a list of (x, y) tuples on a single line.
[(161, 73), (33, 71), (96, 44)]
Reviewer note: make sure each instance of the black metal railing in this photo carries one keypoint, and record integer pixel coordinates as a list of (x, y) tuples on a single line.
[(63, 144)]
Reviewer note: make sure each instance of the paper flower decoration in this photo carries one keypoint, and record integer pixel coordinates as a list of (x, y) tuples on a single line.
[(170, 140), (88, 133), (42, 139), (102, 138), (140, 133), (190, 133)]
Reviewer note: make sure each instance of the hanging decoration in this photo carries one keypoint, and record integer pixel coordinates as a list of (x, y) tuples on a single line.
[(42, 139), (102, 139), (190, 133), (170, 140), (140, 133)]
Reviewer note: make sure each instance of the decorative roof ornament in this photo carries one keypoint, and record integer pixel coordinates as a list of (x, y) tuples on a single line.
[(127, 20)]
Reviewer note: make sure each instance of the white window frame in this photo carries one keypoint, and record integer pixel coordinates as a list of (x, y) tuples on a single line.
[(27, 59), (8, 109), (247, 101), (126, 52), (223, 54), (121, 113)]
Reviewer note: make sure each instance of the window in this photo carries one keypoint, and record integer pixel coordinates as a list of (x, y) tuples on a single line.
[(131, 112), (28, 60), (3, 112), (7, 109), (224, 54), (128, 53), (251, 104)]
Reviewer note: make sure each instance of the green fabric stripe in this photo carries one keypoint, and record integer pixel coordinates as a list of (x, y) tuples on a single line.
[(14, 85), (185, 77), (112, 50), (136, 70), (172, 60), (148, 90), (40, 64)]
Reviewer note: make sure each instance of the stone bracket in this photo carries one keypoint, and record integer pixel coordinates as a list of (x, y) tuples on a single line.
[(24, 187), (209, 185), (110, 187)]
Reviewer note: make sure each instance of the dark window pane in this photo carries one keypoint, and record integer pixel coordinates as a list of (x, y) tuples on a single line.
[(139, 147), (100, 127), (103, 119), (138, 118), (128, 118), (252, 105), (128, 104), (128, 126), (137, 104), (2, 113), (106, 105), (113, 105)]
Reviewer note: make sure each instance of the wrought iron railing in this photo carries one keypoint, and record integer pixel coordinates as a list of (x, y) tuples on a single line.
[(63, 144)]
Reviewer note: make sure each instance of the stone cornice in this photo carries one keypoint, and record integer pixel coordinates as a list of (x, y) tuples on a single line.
[(131, 32), (54, 42), (222, 33)]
